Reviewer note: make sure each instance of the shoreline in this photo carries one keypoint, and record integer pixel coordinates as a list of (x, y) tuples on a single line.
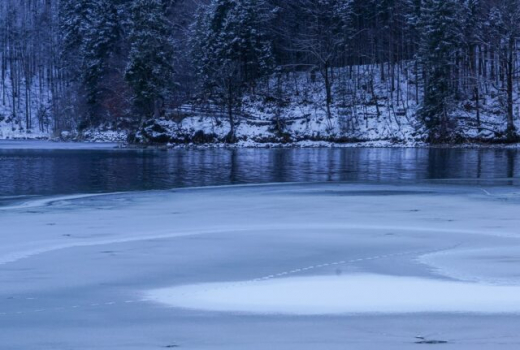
[(50, 144)]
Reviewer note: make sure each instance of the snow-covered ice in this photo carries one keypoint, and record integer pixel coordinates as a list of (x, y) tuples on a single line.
[(263, 267), (350, 294)]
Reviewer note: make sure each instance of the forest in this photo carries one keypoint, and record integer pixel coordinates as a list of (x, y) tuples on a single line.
[(188, 71)]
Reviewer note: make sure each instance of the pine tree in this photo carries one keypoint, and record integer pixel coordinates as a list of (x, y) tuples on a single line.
[(506, 19), (231, 48), (231, 30), (74, 23), (150, 69), (91, 32), (100, 45), (439, 43)]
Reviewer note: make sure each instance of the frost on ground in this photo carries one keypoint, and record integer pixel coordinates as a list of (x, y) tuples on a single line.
[(422, 263)]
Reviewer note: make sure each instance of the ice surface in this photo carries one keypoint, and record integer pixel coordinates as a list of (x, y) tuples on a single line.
[(76, 270), (482, 265)]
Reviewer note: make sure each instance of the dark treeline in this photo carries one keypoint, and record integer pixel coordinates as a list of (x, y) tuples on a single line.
[(75, 64)]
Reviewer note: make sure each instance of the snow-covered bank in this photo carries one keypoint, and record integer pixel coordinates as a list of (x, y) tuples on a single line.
[(98, 145), (364, 108), (52, 145), (21, 135), (326, 144), (365, 112)]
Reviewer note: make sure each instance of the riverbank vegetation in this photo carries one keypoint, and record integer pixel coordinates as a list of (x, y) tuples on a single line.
[(184, 71)]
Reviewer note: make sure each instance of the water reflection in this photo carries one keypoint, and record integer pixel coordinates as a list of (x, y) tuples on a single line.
[(28, 172)]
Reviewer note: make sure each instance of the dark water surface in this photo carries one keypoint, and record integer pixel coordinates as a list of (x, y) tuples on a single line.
[(29, 172)]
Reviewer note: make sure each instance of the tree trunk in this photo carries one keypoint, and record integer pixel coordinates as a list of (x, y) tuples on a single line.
[(231, 136), (511, 130), (477, 106), (328, 91)]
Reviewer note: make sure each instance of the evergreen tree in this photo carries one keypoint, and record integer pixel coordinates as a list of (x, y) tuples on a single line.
[(506, 19), (150, 69), (235, 30), (91, 32), (231, 48), (75, 16), (440, 39), (100, 45)]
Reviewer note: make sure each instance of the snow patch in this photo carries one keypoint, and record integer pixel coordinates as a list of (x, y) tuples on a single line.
[(350, 294)]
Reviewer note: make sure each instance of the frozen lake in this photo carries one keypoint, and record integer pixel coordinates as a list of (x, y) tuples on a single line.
[(333, 263)]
